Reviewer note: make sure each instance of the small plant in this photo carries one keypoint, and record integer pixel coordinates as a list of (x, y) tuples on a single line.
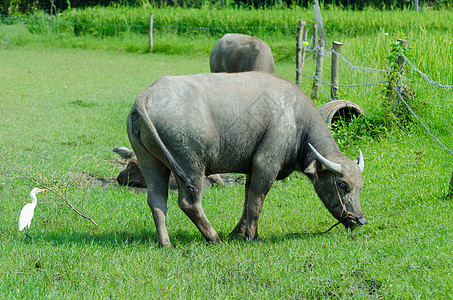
[(398, 94), (358, 129)]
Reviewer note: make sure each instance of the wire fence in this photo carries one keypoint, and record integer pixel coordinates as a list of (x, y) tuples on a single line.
[(401, 98), (397, 90), (351, 65), (426, 77), (25, 19)]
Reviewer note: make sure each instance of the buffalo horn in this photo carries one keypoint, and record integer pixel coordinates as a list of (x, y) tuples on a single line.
[(124, 152), (361, 161), (334, 167)]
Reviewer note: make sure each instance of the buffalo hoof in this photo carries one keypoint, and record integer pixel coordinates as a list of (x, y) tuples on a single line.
[(362, 220), (239, 230), (352, 223), (254, 238)]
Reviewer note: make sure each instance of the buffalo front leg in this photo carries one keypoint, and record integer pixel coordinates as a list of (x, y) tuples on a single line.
[(240, 226), (190, 204), (260, 184), (256, 188)]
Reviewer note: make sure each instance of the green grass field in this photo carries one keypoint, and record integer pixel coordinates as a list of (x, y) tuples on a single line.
[(60, 103)]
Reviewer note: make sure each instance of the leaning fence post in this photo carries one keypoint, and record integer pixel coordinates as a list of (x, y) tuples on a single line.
[(336, 46), (315, 39), (151, 42), (299, 52), (416, 6), (320, 50)]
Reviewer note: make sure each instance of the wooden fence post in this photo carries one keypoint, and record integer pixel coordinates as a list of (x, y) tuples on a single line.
[(151, 42), (315, 39), (320, 50), (395, 78), (314, 91), (300, 52), (399, 60), (335, 69), (319, 67)]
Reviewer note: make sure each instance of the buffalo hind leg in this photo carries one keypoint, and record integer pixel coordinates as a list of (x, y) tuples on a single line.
[(156, 175), (190, 204)]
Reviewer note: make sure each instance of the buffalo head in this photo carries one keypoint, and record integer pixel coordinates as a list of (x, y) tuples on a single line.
[(338, 185), (132, 175)]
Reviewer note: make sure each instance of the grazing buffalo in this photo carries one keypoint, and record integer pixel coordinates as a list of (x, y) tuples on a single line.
[(241, 53), (132, 175), (253, 123)]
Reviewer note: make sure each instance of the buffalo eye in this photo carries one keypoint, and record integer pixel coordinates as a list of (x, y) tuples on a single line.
[(342, 185)]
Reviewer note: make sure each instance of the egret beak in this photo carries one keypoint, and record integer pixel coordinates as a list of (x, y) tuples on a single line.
[(42, 190)]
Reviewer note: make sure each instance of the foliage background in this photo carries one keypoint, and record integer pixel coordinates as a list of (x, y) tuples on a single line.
[(30, 6)]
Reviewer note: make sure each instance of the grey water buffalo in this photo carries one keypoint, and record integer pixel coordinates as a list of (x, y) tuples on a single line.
[(132, 175), (253, 123), (241, 53)]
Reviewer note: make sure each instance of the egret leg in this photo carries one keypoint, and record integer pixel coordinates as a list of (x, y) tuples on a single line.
[(26, 233)]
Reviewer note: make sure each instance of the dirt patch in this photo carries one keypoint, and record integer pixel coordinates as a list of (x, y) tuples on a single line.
[(87, 180)]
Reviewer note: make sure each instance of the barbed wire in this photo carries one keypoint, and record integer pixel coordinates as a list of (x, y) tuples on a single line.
[(421, 122), (304, 47), (341, 85), (357, 67), (15, 16), (426, 77), (352, 66), (326, 94), (226, 27)]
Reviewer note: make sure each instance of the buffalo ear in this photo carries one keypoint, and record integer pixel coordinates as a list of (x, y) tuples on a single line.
[(311, 171)]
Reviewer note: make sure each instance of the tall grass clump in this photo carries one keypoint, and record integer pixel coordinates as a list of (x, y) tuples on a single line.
[(111, 21)]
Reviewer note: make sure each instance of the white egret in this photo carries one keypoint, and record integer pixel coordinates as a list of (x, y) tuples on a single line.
[(26, 214)]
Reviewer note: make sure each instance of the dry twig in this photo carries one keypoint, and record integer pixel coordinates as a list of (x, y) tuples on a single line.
[(56, 191)]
